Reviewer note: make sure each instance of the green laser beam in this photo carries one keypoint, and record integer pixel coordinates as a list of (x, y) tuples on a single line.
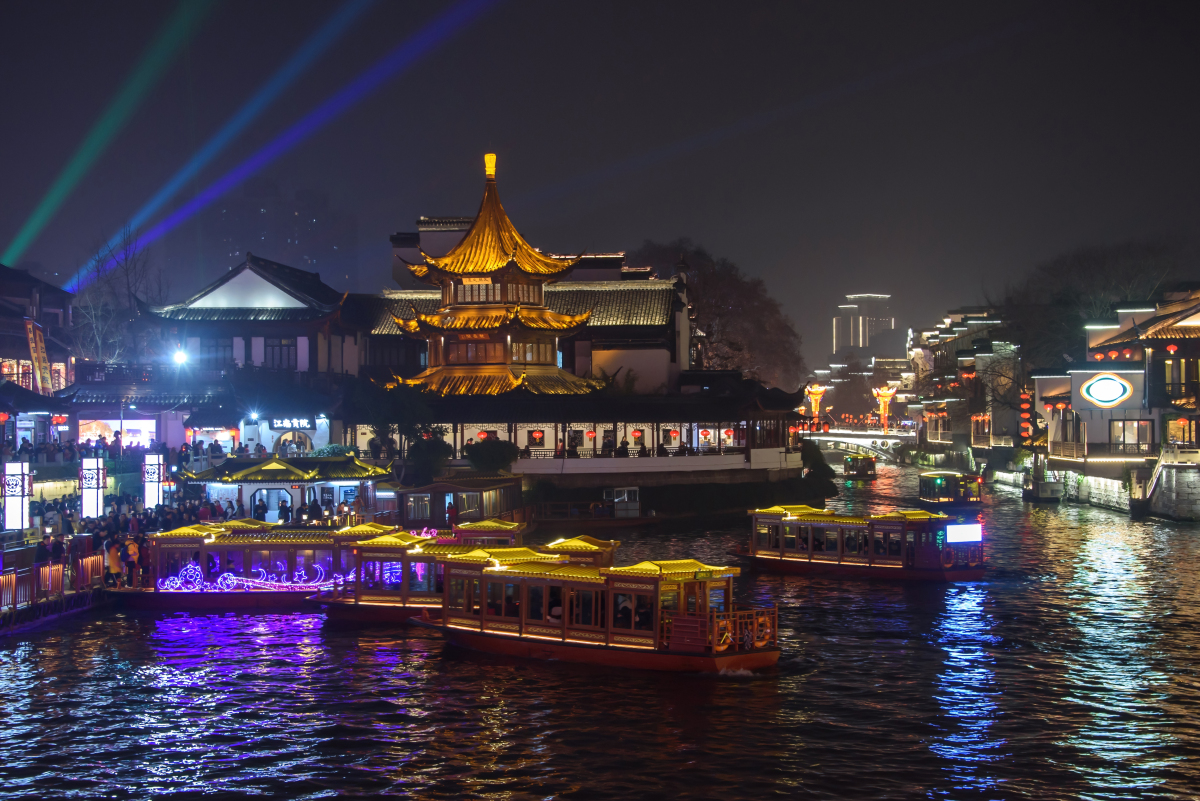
[(169, 42)]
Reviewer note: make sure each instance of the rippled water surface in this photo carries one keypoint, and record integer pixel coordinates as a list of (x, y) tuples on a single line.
[(1071, 672)]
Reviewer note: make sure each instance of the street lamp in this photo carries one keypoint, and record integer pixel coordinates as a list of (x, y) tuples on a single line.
[(180, 357)]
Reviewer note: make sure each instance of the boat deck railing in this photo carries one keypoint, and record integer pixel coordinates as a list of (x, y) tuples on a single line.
[(743, 629)]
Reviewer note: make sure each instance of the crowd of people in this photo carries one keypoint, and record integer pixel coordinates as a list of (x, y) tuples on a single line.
[(104, 448)]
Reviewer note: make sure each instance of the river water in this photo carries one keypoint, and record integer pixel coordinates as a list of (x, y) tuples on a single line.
[(1071, 672)]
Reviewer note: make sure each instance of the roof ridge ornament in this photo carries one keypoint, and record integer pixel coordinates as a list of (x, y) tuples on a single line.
[(489, 165)]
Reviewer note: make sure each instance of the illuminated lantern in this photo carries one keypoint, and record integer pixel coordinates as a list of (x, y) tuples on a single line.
[(3, 417), (481, 434), (1025, 405), (591, 435), (152, 479), (1172, 348), (637, 434), (729, 432), (825, 428), (1099, 357), (791, 430), (1112, 354), (814, 394), (538, 434), (1127, 353), (1049, 406), (1024, 396), (884, 395), (18, 489), (1025, 415), (674, 432), (1060, 405), (704, 432)]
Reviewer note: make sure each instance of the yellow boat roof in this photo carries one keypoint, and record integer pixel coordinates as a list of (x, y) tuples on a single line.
[(671, 569), (582, 543), (396, 539), (549, 570), (807, 513), (491, 524), (499, 555)]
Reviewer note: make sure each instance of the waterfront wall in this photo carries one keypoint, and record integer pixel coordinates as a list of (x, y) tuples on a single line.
[(1177, 494), (1009, 479), (1107, 493)]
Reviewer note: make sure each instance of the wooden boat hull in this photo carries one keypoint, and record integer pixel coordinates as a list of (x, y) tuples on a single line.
[(768, 564), (608, 656), (349, 611)]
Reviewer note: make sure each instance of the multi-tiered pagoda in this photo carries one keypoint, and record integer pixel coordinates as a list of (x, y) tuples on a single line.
[(493, 332)]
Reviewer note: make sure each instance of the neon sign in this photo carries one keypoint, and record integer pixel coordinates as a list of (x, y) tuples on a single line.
[(292, 422), (191, 579), (1106, 390)]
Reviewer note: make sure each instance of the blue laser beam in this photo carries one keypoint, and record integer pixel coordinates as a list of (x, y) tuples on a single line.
[(300, 61), (763, 119), (403, 56)]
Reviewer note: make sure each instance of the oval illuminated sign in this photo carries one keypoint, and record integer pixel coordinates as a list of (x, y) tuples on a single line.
[(1106, 390)]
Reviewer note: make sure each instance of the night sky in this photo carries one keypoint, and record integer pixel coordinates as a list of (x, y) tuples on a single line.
[(923, 150)]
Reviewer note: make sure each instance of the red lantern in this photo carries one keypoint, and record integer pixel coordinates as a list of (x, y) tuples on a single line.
[(1060, 405), (3, 417), (1049, 406), (1025, 415), (704, 432), (1025, 405), (591, 435), (674, 432), (482, 434), (791, 430), (1127, 353), (538, 434), (1099, 357), (1172, 348), (636, 434), (1112, 354), (1024, 396)]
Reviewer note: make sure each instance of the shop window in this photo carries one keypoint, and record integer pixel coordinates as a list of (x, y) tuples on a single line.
[(416, 506), (216, 352)]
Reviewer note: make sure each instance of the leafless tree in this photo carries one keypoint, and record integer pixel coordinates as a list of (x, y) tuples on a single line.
[(115, 278)]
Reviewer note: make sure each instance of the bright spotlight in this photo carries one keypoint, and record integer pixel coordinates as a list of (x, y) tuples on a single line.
[(180, 357), (253, 415)]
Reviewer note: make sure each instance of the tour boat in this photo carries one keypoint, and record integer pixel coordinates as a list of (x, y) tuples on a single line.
[(658, 615), (859, 466), (944, 489), (906, 545)]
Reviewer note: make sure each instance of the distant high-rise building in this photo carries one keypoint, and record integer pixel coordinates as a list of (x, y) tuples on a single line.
[(859, 318)]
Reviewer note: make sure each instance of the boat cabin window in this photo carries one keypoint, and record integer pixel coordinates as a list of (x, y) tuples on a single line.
[(233, 562), (587, 608), (895, 543), (504, 599), (456, 598), (554, 604), (853, 543), (831, 541), (879, 545), (420, 577), (669, 600), (765, 535), (383, 576), (789, 538), (416, 506), (818, 539), (536, 607), (475, 596), (716, 599), (632, 611)]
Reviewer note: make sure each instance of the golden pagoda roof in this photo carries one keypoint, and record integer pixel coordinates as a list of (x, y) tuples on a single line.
[(671, 569), (497, 379), (491, 318), (492, 243), (808, 513), (279, 536)]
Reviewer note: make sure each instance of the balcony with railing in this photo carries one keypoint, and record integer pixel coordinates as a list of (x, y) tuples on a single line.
[(1069, 450)]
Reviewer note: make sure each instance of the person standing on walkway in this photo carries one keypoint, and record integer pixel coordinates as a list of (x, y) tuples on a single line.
[(42, 552), (112, 558), (129, 555)]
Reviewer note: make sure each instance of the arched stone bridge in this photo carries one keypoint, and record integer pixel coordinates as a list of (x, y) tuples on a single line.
[(872, 441)]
